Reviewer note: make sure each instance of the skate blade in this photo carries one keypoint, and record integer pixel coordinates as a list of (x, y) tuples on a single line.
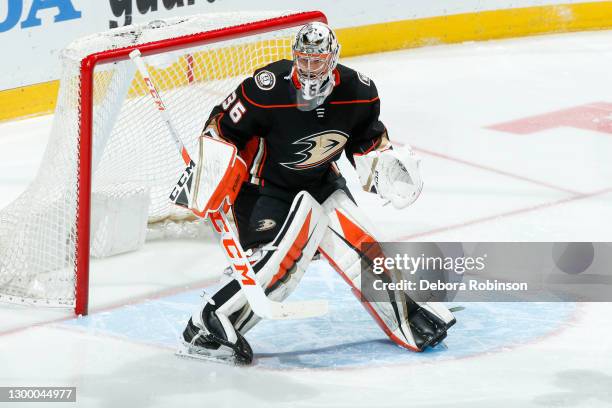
[(185, 350)]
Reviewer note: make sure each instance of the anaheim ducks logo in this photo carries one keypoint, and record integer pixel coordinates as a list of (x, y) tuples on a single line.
[(264, 225), (321, 148)]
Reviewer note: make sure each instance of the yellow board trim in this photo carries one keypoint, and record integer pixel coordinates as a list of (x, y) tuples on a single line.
[(486, 25), (39, 99), (28, 101)]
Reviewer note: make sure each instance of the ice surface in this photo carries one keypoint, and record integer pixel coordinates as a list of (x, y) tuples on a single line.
[(346, 337), (480, 185)]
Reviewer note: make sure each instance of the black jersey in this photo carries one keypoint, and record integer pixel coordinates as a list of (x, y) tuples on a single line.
[(291, 148)]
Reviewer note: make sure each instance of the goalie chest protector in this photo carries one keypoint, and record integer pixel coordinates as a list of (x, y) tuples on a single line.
[(289, 147)]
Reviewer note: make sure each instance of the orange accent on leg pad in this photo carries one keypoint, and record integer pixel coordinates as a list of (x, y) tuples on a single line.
[(294, 252), (353, 233)]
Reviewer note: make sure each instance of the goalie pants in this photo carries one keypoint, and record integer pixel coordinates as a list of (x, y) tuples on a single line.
[(260, 212)]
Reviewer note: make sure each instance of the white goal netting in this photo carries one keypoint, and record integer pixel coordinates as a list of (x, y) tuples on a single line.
[(134, 162)]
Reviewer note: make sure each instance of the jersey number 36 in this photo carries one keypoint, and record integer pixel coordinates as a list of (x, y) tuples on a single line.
[(237, 110)]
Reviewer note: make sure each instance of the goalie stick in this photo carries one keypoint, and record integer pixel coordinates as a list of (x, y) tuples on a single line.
[(235, 255)]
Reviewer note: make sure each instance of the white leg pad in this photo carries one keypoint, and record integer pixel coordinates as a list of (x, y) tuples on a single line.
[(348, 229), (281, 264)]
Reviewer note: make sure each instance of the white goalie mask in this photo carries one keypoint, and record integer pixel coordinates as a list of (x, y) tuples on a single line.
[(315, 56)]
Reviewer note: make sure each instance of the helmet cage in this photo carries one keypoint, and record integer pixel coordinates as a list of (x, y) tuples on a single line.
[(311, 67)]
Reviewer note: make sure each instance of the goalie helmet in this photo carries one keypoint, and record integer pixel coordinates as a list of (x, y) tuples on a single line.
[(315, 56)]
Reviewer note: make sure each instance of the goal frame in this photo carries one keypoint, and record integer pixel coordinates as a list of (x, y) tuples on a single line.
[(86, 106)]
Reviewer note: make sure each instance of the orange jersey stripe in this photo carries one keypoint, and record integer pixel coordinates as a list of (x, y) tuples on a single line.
[(354, 101), (252, 102)]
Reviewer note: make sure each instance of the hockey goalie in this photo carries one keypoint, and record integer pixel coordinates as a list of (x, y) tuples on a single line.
[(289, 123)]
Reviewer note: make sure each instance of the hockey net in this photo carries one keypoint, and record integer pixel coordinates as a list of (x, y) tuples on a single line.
[(103, 185)]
